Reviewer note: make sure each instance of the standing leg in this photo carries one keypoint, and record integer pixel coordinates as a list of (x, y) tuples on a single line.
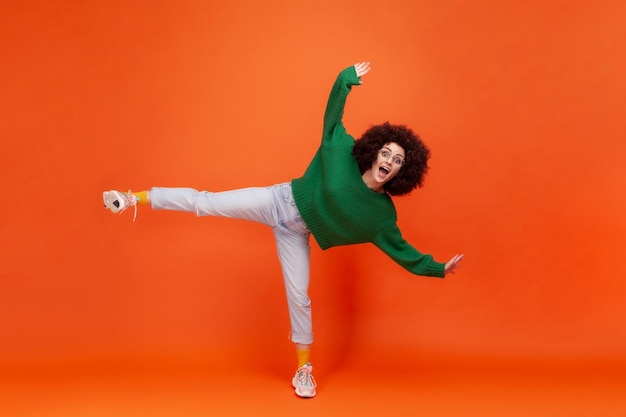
[(292, 242), (294, 254)]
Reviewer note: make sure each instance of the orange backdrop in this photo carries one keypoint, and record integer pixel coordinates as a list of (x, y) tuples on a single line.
[(522, 104)]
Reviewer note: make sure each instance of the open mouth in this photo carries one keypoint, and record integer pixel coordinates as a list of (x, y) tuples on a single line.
[(383, 170)]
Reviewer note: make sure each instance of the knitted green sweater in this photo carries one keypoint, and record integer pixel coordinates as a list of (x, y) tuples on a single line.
[(335, 203)]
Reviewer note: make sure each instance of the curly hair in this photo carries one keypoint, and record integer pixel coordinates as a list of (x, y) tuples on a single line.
[(412, 173)]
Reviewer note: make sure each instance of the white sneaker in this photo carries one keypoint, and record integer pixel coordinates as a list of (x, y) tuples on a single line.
[(304, 383), (117, 201)]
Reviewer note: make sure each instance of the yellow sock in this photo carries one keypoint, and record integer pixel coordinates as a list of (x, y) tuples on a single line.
[(142, 197), (304, 357)]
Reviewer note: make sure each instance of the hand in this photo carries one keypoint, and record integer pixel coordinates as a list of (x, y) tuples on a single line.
[(453, 264), (362, 68)]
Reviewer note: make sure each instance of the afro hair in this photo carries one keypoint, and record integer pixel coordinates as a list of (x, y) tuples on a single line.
[(416, 155)]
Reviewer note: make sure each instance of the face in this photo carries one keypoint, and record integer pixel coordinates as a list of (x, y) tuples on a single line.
[(388, 163)]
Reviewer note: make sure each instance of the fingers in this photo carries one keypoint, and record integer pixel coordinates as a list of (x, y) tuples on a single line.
[(453, 264), (362, 68)]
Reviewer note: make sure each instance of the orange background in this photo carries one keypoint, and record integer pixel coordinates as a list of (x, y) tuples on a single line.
[(521, 103)]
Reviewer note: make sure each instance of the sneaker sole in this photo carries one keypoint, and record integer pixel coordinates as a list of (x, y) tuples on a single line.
[(306, 395), (303, 394), (109, 197)]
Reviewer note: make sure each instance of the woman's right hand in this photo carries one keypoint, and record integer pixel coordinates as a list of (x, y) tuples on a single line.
[(362, 68)]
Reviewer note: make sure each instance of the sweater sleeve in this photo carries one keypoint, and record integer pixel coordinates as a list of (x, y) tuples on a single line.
[(337, 100), (391, 242)]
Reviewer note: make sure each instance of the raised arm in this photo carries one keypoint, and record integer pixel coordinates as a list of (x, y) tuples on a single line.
[(337, 99)]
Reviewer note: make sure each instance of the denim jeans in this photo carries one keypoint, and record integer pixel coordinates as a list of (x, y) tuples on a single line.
[(273, 206)]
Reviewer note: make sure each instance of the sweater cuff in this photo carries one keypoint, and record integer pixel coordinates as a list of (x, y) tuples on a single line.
[(437, 269), (349, 74)]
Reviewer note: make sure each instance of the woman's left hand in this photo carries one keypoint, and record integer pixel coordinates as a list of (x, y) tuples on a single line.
[(453, 264)]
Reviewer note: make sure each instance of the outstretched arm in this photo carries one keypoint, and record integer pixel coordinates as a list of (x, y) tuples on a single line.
[(337, 100), (389, 239)]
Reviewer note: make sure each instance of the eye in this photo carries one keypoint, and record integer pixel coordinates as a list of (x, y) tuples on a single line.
[(385, 154), (398, 161)]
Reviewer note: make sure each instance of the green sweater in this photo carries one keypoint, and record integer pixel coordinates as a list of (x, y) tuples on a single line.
[(335, 203)]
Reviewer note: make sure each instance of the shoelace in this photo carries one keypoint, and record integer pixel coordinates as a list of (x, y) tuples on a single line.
[(130, 201), (305, 377)]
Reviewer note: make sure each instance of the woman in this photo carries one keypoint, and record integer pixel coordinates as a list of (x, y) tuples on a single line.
[(342, 198)]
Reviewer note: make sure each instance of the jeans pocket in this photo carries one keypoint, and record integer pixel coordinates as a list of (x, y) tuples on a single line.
[(287, 194)]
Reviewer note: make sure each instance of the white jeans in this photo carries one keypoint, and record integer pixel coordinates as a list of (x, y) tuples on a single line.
[(273, 206)]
